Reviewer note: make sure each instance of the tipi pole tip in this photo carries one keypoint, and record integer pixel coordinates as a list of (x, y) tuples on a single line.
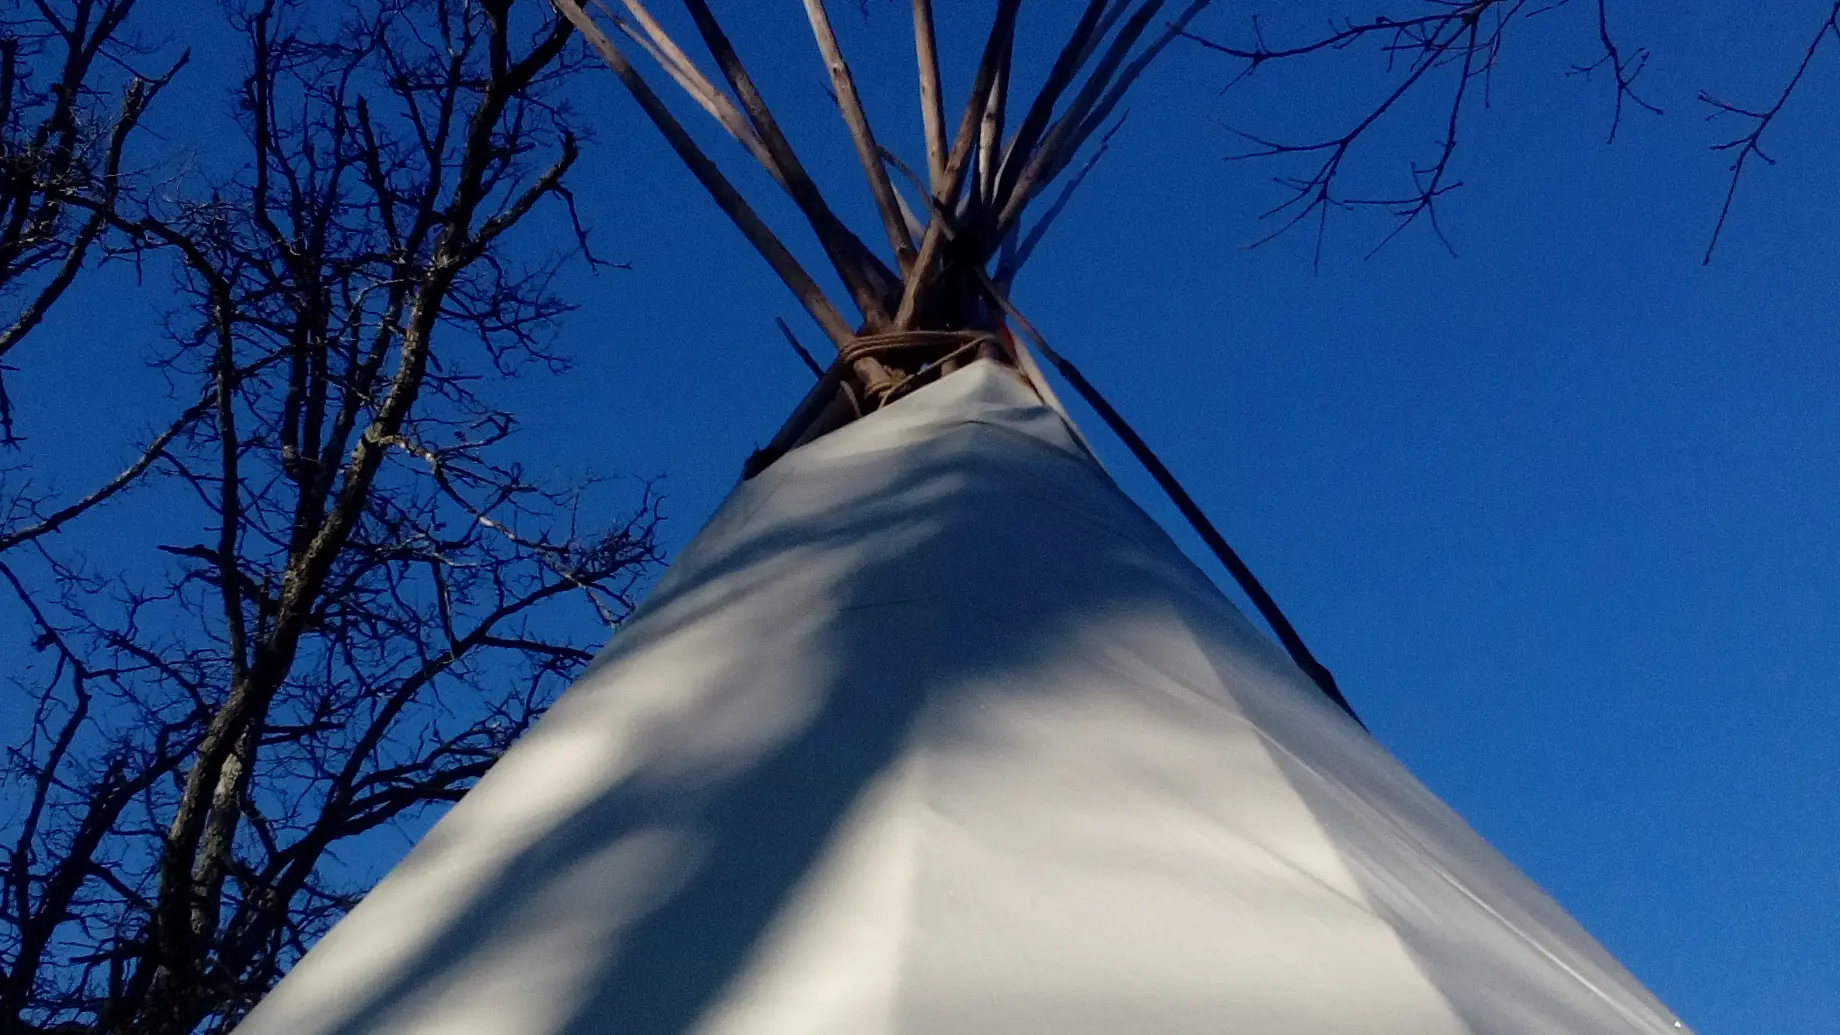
[(869, 282), (1001, 32), (720, 189), (1101, 111), (664, 50), (990, 135), (1060, 76), (849, 102), (1049, 156), (932, 102)]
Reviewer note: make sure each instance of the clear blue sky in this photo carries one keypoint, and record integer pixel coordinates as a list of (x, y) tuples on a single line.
[(1562, 512)]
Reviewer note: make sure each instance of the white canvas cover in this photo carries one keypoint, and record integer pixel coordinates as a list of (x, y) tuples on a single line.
[(931, 731)]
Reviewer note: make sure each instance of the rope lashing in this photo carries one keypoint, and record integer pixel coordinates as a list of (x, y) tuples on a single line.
[(864, 346), (1286, 633), (961, 343), (841, 394)]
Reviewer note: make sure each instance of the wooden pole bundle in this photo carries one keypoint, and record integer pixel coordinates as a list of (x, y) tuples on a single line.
[(978, 183), (920, 315)]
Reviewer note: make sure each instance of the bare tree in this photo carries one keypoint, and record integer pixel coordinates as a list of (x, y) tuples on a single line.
[(378, 599), (1759, 120), (67, 109), (1448, 49)]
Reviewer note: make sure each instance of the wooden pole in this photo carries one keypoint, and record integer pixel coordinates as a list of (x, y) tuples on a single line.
[(1103, 110), (1035, 173), (926, 262), (826, 406), (730, 200), (870, 283), (990, 135), (811, 362), (1112, 14), (1242, 574), (1065, 67), (1014, 258), (671, 57), (861, 133)]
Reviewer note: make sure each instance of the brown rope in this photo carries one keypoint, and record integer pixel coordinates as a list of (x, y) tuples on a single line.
[(889, 390), (818, 413), (864, 346)]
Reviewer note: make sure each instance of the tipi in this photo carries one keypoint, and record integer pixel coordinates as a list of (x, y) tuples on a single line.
[(931, 730)]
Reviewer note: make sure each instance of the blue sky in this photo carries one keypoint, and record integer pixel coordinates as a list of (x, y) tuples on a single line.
[(1560, 511)]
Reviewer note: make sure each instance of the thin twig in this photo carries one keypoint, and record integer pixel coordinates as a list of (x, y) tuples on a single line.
[(1623, 70), (1430, 48), (1060, 76), (1750, 143), (924, 269), (139, 94), (155, 449)]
